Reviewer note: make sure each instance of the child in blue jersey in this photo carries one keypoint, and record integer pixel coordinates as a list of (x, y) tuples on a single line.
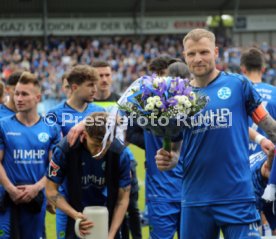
[(253, 66), (8, 108), (260, 165), (217, 192), (91, 179), (26, 142)]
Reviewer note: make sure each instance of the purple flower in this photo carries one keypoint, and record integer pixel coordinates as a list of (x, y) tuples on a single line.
[(172, 101)]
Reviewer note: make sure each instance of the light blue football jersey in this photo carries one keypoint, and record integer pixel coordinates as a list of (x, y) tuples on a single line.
[(26, 149), (66, 117), (5, 111), (215, 149)]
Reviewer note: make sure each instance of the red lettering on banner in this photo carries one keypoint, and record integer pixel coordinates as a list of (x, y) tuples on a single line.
[(189, 24)]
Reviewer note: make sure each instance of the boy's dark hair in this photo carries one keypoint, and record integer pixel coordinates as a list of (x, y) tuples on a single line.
[(95, 125), (29, 78), (252, 59), (81, 73), (100, 64), (161, 63), (14, 77)]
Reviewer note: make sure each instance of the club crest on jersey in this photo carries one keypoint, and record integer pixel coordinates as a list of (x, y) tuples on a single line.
[(53, 169), (224, 93), (43, 137)]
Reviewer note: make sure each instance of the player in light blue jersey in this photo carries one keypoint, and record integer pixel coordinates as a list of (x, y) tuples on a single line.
[(260, 165), (217, 192), (82, 80), (8, 108), (26, 142), (93, 179), (253, 66)]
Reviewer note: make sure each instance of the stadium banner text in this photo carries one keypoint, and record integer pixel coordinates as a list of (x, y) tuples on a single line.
[(100, 26)]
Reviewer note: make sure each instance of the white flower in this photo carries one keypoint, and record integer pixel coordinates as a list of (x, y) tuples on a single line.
[(179, 107), (156, 98), (158, 103), (150, 100), (149, 106), (188, 104)]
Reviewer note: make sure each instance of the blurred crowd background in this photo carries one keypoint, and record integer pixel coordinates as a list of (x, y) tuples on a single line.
[(128, 56)]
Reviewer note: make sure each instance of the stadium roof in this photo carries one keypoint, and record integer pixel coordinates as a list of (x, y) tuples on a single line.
[(109, 8)]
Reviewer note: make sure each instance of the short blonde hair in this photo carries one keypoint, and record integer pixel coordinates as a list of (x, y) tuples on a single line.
[(199, 33), (29, 78)]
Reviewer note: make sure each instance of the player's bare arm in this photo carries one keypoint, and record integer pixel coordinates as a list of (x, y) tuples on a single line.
[(57, 200), (265, 143), (14, 193), (268, 124), (119, 211)]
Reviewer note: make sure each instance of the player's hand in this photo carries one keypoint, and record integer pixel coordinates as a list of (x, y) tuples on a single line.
[(30, 191), (267, 146), (16, 194), (165, 160), (85, 225), (75, 132)]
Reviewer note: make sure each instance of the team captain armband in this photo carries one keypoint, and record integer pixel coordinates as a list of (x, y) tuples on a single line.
[(259, 114)]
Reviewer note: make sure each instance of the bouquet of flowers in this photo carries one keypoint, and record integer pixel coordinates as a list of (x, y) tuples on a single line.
[(162, 105)]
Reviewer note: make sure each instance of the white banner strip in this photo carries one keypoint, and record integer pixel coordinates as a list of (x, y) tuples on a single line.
[(99, 26)]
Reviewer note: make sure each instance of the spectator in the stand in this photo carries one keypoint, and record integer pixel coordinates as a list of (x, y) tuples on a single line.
[(127, 56), (2, 92)]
